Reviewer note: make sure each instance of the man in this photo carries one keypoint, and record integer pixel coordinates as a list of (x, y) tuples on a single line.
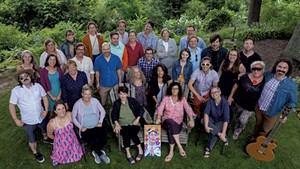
[(84, 63), (134, 49), (147, 38), (108, 72), (247, 55), (279, 91), (68, 47), (92, 41), (147, 63), (119, 50), (191, 30), (123, 35), (195, 51), (215, 51), (28, 96)]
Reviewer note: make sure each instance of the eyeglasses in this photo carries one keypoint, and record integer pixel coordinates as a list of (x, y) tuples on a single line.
[(196, 58), (256, 69), (70, 34), (215, 92), (205, 64), (23, 77)]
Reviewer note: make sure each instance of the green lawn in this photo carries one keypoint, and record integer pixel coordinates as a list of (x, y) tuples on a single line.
[(15, 153)]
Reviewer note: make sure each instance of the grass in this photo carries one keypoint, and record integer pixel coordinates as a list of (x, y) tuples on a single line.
[(15, 153)]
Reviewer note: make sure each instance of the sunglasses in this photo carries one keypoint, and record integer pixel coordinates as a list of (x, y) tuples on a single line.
[(256, 69), (205, 64), (196, 58), (23, 77)]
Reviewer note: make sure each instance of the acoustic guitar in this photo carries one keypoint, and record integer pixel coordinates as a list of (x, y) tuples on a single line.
[(262, 149)]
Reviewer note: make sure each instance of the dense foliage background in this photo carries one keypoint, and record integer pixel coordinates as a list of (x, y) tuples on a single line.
[(26, 24)]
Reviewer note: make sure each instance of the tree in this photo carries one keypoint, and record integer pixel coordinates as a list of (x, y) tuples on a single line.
[(254, 11), (292, 50)]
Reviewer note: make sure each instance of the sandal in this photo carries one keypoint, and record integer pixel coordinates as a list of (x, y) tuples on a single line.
[(206, 153), (131, 160), (138, 156), (168, 158), (183, 154)]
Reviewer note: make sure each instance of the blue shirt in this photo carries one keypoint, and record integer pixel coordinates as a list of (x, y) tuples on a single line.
[(147, 68), (193, 57), (108, 70), (149, 41), (218, 112), (184, 43), (71, 89), (285, 95)]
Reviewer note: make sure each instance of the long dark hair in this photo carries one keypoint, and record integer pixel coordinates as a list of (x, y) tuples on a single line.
[(285, 61), (47, 59), (53, 114), (164, 68), (236, 65), (180, 92)]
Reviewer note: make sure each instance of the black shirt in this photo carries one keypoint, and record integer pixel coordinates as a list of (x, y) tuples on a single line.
[(248, 60)]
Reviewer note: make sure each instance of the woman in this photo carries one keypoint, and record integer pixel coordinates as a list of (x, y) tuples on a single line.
[(229, 71), (88, 115), (171, 110), (195, 51), (246, 93), (216, 118), (183, 67), (166, 49), (71, 84), (201, 81), (66, 148), (68, 47), (134, 49), (93, 41), (138, 80), (50, 48), (126, 114), (157, 87), (51, 76), (28, 62)]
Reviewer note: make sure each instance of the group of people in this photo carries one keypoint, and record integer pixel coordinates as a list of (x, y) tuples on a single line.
[(57, 94)]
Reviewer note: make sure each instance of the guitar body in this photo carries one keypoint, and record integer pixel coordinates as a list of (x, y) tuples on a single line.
[(261, 152)]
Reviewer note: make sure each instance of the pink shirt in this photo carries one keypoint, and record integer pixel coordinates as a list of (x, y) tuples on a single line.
[(175, 111)]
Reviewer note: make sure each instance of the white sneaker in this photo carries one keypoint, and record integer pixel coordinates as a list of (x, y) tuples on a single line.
[(104, 157), (97, 158)]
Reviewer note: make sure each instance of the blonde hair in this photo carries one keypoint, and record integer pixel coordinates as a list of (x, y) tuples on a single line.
[(85, 88), (71, 62)]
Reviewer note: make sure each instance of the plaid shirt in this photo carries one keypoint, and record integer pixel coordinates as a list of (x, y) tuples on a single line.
[(268, 93), (147, 67)]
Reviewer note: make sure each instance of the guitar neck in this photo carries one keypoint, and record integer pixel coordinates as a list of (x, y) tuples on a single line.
[(270, 136)]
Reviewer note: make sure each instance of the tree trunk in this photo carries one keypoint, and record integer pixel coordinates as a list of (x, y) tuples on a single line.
[(292, 50), (254, 11)]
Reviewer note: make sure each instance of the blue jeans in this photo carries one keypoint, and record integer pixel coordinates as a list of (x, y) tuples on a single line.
[(217, 127)]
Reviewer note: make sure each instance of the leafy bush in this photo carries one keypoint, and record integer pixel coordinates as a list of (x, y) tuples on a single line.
[(216, 19), (11, 38), (195, 8), (179, 25)]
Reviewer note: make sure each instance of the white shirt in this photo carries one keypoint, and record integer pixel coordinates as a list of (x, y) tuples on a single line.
[(60, 54), (86, 66), (29, 102), (95, 45), (166, 45)]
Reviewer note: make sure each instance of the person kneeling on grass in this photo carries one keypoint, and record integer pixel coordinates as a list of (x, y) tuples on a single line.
[(66, 147), (126, 114), (216, 118), (172, 109)]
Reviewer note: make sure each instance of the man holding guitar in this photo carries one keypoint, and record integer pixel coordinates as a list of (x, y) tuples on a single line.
[(279, 91)]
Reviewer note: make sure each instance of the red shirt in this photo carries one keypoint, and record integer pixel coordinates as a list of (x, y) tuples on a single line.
[(134, 54)]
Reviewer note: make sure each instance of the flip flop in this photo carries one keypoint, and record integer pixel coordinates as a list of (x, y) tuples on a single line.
[(206, 153), (131, 160), (168, 158), (183, 154), (138, 156)]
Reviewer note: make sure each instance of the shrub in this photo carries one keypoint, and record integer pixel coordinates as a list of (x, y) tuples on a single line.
[(7, 42), (216, 19), (179, 25)]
